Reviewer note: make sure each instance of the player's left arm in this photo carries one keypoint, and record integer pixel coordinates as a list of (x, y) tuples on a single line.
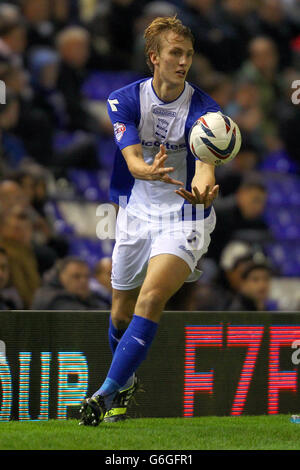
[(204, 189)]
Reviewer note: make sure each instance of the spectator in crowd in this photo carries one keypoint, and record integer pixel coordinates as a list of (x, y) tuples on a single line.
[(64, 12), (220, 87), (40, 28), (113, 34), (254, 291), (272, 21), (218, 292), (29, 125), (73, 45), (292, 9), (67, 288), (235, 257), (12, 194), (210, 38), (236, 22), (288, 112), (15, 238), (12, 29), (231, 176), (44, 67), (4, 276), (15, 77), (245, 110), (13, 149), (240, 217), (19, 190), (9, 298), (32, 179), (100, 283), (262, 70)]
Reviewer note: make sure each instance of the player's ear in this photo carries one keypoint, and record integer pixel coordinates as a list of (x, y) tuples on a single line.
[(154, 57)]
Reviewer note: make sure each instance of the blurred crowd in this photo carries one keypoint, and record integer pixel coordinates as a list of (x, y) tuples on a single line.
[(247, 57)]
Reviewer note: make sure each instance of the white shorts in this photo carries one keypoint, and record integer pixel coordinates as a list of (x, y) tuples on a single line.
[(134, 247)]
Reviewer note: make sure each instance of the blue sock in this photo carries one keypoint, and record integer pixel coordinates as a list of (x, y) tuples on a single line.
[(114, 336), (130, 353)]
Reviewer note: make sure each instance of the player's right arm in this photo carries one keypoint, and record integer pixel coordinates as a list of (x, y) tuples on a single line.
[(123, 110), (139, 169)]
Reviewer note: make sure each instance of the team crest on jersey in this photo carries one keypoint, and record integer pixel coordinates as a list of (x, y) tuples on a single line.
[(119, 130)]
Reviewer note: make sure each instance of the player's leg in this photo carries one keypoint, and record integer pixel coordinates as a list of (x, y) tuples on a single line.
[(123, 305), (129, 264), (93, 410), (172, 260), (171, 264), (165, 275)]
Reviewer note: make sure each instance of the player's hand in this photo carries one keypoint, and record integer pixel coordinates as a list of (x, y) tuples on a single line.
[(206, 198), (158, 170)]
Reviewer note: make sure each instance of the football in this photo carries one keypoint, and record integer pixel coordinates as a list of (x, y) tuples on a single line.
[(215, 138)]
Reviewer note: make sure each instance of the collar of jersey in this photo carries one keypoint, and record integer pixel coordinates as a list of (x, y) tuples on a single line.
[(167, 102)]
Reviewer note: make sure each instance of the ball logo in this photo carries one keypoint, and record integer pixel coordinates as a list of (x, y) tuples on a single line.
[(119, 130), (219, 153), (205, 127)]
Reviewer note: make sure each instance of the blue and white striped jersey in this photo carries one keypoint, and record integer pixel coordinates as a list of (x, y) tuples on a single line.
[(140, 116)]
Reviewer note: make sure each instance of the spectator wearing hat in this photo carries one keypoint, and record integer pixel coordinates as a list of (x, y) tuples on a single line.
[(254, 290), (218, 292)]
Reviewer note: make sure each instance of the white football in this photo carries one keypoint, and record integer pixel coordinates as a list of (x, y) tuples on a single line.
[(215, 138)]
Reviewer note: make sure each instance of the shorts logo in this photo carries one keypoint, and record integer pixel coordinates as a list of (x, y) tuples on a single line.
[(182, 247), (119, 130)]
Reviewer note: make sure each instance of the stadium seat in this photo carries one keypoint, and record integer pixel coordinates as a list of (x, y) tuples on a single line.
[(91, 185), (99, 85), (279, 161)]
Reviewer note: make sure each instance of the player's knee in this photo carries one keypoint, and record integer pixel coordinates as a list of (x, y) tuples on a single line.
[(121, 318), (152, 300)]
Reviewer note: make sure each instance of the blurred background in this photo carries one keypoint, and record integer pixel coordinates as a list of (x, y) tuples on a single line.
[(59, 60)]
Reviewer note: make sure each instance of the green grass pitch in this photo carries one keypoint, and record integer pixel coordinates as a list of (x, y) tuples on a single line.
[(206, 433)]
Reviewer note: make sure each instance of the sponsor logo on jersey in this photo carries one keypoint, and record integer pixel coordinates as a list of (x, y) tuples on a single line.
[(119, 130), (161, 128), (163, 112), (156, 143)]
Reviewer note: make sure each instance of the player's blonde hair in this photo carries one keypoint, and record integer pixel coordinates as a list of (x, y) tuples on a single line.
[(161, 25)]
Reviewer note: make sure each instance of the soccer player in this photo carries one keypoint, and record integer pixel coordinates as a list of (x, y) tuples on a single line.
[(157, 173)]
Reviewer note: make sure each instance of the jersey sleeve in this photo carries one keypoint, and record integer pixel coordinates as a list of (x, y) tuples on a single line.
[(123, 111)]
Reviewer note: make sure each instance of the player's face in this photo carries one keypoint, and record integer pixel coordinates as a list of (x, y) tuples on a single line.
[(174, 59)]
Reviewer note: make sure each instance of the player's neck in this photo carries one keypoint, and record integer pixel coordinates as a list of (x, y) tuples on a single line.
[(165, 92)]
